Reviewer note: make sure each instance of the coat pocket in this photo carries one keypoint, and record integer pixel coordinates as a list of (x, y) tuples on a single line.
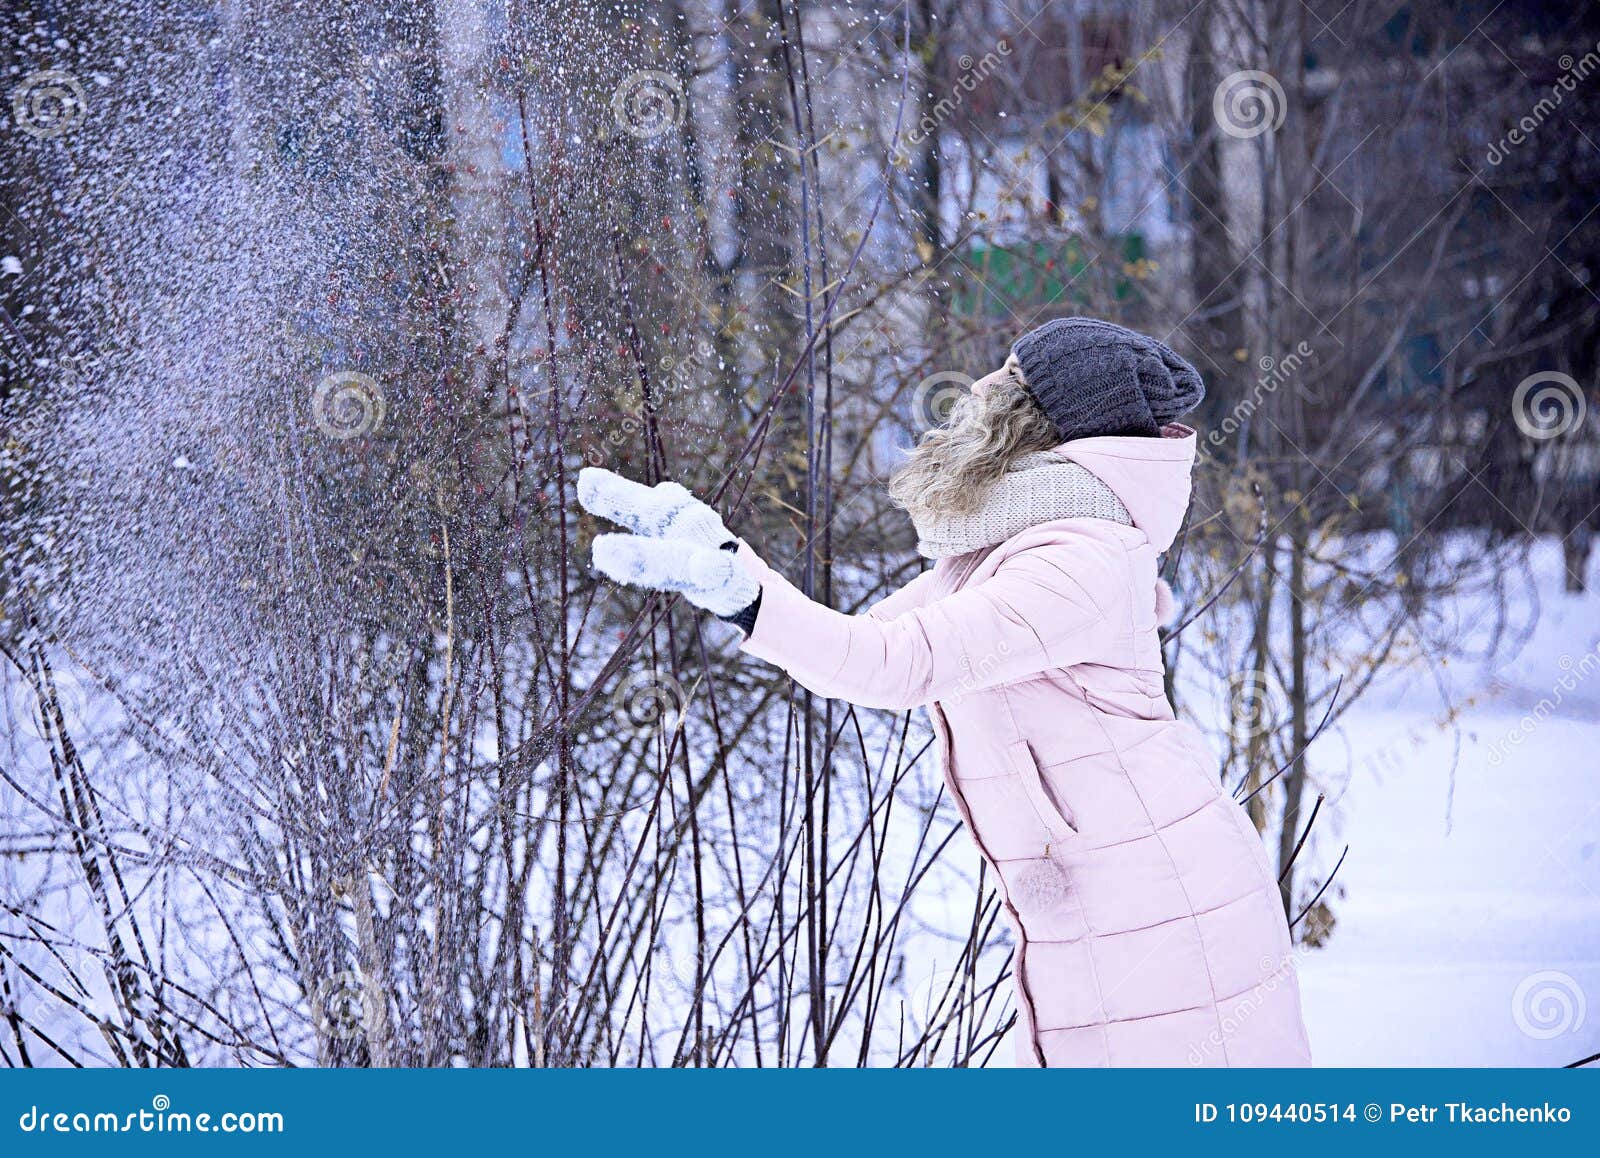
[(1058, 823)]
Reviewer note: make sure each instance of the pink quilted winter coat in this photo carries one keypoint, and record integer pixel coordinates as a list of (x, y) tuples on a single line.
[(1149, 926)]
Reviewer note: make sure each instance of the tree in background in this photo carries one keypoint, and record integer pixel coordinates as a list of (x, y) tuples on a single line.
[(325, 745)]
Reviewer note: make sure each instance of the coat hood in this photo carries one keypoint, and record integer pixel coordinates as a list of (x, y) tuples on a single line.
[(1150, 475)]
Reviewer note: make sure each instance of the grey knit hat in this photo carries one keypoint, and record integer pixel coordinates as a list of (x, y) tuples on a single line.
[(1092, 377)]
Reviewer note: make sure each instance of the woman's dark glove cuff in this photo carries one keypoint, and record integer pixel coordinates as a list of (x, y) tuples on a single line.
[(745, 618)]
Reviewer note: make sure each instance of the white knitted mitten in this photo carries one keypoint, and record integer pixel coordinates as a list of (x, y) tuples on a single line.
[(664, 511), (707, 577)]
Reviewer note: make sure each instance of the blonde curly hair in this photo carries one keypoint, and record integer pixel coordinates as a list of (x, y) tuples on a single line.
[(954, 466)]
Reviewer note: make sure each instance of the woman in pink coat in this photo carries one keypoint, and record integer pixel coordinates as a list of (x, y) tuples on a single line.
[(1150, 929)]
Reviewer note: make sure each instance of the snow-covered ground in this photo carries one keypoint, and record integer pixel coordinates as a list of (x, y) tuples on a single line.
[(1469, 929), (1468, 908)]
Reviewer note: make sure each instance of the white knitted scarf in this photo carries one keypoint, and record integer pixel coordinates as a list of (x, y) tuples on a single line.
[(1038, 488)]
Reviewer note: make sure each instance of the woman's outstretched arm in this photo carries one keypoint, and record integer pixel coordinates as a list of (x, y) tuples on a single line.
[(1031, 615)]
